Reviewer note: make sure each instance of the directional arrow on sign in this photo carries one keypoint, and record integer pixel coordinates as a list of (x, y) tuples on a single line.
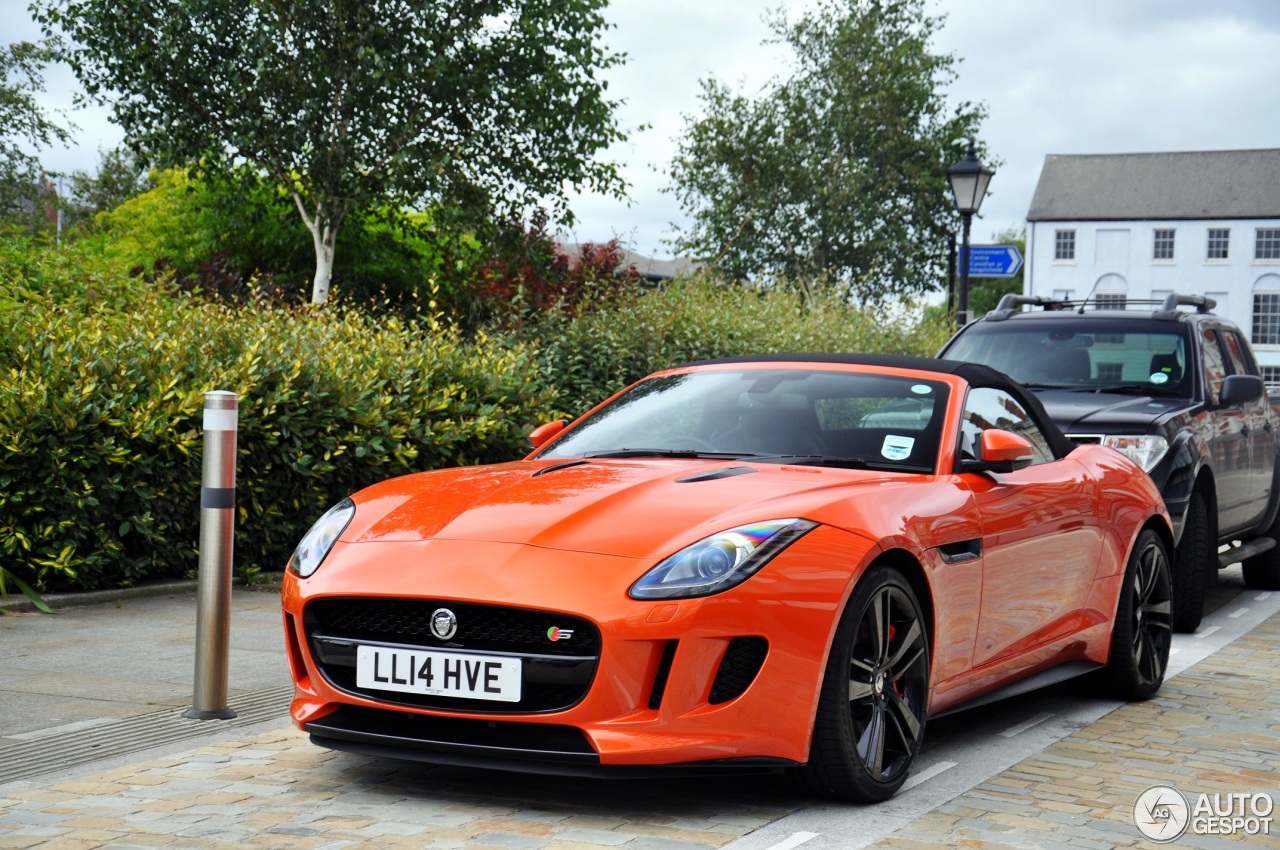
[(994, 260)]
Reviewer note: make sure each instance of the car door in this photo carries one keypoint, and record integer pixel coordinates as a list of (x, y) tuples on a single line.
[(1261, 442), (1226, 435), (1041, 538)]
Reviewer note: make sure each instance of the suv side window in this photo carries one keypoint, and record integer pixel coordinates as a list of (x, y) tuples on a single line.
[(987, 407), (1241, 358), (1216, 367)]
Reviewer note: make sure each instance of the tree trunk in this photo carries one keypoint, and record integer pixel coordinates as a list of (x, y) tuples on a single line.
[(324, 237)]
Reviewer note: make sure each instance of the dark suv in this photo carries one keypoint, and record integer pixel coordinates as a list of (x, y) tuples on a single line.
[(1177, 391)]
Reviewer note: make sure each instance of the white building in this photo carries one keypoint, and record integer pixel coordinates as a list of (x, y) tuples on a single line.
[(1127, 227)]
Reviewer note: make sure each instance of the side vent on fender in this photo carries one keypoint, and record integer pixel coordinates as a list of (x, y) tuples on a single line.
[(742, 660)]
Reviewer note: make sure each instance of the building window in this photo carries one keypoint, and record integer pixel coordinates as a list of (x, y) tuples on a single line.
[(1271, 377), (1266, 318), (1064, 245), (1111, 371), (1110, 301), (1162, 244), (1219, 238), (1268, 245)]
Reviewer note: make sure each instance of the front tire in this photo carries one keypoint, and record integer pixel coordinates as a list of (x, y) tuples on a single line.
[(1142, 634), (1193, 561), (874, 699)]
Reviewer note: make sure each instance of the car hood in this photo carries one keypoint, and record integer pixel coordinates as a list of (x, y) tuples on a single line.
[(1105, 413), (637, 509)]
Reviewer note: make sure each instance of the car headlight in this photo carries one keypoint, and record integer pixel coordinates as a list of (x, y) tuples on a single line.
[(719, 562), (1144, 450), (319, 540)]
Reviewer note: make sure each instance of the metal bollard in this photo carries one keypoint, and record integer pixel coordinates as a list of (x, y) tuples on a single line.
[(217, 535)]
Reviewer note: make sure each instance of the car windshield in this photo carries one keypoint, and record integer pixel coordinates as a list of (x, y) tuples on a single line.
[(812, 416), (1087, 357)]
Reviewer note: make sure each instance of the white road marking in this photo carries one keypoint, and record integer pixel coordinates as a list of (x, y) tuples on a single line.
[(794, 841), (1175, 651), (1266, 594), (1238, 612), (1201, 635), (1022, 727), (927, 774)]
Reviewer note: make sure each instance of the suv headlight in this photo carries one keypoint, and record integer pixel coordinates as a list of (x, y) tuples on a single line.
[(317, 542), (1145, 451), (721, 561)]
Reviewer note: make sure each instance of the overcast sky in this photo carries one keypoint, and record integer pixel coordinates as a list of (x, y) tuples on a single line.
[(1092, 76)]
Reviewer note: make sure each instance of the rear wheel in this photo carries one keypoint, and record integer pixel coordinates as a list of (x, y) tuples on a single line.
[(1262, 571), (871, 711), (1142, 634), (1193, 560)]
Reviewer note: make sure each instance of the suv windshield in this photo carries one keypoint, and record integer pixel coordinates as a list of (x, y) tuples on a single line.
[(818, 416), (1097, 356)]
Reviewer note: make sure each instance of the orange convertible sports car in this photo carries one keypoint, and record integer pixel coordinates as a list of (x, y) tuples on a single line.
[(783, 562)]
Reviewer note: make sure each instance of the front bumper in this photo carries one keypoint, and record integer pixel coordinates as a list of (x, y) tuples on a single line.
[(658, 694)]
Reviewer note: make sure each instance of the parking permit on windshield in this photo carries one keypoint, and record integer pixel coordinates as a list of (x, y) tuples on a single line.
[(897, 448)]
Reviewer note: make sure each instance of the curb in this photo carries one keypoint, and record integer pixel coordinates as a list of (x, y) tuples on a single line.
[(18, 603)]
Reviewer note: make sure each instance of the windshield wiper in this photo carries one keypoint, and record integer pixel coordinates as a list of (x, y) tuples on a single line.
[(841, 462), (1126, 389), (678, 453)]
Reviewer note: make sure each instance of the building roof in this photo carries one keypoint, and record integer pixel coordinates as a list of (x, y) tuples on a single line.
[(1159, 186)]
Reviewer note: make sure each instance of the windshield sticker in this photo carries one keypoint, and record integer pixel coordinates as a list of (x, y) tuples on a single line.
[(1159, 377), (922, 389), (897, 448)]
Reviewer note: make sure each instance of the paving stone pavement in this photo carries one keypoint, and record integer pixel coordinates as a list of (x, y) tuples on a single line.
[(1213, 729)]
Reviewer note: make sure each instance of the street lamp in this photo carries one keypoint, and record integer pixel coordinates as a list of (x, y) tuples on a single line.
[(969, 179)]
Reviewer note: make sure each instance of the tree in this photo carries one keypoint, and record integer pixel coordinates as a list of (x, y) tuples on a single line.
[(24, 125), (487, 106), (120, 177), (836, 174)]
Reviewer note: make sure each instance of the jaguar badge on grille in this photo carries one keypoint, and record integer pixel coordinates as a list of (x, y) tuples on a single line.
[(444, 623)]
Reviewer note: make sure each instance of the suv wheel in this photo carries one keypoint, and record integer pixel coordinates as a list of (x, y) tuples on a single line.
[(1262, 572), (1191, 565)]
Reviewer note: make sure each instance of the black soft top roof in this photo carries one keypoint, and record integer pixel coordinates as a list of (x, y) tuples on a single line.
[(975, 374)]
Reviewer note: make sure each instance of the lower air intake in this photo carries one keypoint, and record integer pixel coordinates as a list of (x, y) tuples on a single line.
[(742, 661)]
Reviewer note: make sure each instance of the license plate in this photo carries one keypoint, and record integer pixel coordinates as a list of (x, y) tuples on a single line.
[(442, 674)]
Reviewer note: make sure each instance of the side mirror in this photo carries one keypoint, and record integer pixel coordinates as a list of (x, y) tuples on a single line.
[(1000, 451), (1240, 389), (543, 433)]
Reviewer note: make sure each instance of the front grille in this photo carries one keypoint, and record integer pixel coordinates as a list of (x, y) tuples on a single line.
[(555, 674), (1085, 439)]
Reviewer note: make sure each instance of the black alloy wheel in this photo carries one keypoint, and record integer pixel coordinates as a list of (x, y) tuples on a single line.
[(874, 699), (1143, 631)]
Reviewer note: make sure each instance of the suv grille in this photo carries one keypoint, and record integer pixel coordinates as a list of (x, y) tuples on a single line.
[(555, 674)]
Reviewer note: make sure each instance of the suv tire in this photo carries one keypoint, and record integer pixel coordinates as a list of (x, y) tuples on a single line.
[(1191, 565), (1262, 571)]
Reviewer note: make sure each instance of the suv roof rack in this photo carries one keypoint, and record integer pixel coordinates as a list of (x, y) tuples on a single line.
[(1168, 306)]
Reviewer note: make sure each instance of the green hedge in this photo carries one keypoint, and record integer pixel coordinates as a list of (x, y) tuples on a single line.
[(100, 415), (625, 335), (102, 378)]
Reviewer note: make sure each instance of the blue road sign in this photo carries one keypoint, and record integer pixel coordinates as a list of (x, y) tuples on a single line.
[(994, 260)]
